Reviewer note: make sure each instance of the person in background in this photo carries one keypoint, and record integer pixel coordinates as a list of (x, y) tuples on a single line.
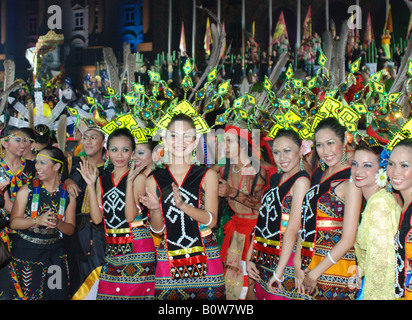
[(86, 247), (43, 138), (29, 153)]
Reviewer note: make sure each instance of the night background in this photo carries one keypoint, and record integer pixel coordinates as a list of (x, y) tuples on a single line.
[(88, 26)]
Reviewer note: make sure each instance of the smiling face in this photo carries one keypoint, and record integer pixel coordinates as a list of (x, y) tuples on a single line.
[(286, 154), (45, 167), (329, 147), (180, 140), (142, 156), (93, 142), (365, 166), (399, 168), (120, 151), (15, 144)]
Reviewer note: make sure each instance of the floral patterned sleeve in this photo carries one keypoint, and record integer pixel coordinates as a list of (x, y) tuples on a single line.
[(375, 246)]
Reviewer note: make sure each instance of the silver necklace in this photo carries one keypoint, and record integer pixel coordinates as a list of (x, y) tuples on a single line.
[(237, 171)]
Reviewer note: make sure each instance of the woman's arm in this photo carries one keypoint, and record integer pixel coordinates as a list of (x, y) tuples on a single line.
[(382, 218), (17, 219), (135, 186), (207, 217), (67, 226), (353, 196), (299, 189), (251, 269), (151, 202)]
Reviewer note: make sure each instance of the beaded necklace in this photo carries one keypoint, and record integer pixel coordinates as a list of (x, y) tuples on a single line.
[(36, 198), (15, 179)]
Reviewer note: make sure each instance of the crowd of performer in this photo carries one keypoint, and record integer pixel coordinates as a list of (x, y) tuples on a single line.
[(104, 220)]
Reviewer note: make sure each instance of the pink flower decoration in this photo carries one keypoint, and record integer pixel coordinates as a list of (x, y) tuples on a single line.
[(307, 146)]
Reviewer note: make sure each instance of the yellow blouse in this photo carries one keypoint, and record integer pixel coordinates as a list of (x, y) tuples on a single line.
[(374, 246)]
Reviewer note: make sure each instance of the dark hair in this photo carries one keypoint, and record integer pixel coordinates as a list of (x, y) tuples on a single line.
[(122, 132), (42, 133), (364, 146), (96, 129), (57, 154), (29, 132), (9, 130), (331, 124), (181, 117), (291, 134), (151, 144), (404, 143)]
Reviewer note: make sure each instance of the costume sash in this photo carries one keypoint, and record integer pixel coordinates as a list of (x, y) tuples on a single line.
[(400, 252), (309, 210), (36, 200), (15, 179), (268, 235), (119, 235), (185, 247)]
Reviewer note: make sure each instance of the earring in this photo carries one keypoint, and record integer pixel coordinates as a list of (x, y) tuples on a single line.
[(389, 188), (280, 170), (130, 163), (344, 158), (322, 164), (194, 157), (350, 179), (165, 156), (106, 163), (301, 167)]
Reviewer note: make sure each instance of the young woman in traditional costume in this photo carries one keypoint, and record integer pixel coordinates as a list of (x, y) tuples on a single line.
[(143, 166), (325, 266), (270, 256), (375, 245), (242, 182), (183, 202), (41, 211), (19, 171), (130, 258), (400, 174)]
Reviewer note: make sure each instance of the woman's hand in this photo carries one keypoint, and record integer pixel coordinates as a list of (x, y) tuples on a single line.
[(177, 196), (252, 271), (309, 282), (299, 277), (274, 284), (134, 172), (47, 219), (149, 201), (89, 173)]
